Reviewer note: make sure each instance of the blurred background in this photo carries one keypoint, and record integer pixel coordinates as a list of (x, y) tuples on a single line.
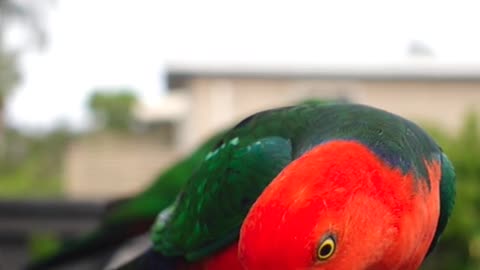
[(99, 97)]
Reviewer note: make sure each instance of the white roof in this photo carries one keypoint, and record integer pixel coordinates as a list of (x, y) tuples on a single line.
[(420, 69)]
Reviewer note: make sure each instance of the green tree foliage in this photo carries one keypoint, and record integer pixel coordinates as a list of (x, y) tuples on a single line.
[(9, 75), (113, 110), (459, 248), (28, 15)]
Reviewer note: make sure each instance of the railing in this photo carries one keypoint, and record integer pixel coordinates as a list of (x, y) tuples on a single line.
[(19, 220)]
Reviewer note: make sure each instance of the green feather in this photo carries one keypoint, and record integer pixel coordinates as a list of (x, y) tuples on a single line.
[(218, 202), (164, 188), (447, 198)]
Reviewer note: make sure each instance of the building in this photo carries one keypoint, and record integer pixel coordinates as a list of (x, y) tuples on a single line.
[(219, 96), (204, 99)]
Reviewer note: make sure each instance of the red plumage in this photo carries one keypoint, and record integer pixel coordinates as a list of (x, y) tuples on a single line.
[(341, 187)]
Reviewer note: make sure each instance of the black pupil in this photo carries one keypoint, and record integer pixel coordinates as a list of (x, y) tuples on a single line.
[(325, 250)]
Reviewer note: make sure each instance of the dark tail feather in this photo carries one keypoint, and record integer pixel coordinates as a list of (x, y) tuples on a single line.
[(150, 260)]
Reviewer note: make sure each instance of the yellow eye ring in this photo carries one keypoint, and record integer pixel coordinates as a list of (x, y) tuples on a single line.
[(326, 248)]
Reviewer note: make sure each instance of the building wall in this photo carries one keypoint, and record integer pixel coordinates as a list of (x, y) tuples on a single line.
[(110, 165), (217, 103), (444, 104)]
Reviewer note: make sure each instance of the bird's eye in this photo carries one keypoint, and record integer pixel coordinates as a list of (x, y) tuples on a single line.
[(326, 248)]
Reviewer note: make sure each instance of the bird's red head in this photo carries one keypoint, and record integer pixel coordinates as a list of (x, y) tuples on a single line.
[(341, 207)]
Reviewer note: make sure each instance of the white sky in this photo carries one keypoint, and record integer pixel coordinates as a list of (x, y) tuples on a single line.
[(107, 43)]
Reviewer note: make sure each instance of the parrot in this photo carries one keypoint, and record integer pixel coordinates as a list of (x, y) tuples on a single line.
[(129, 217), (317, 187)]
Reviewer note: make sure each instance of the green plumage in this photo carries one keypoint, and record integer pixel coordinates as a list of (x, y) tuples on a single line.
[(208, 214), (227, 202), (447, 198), (164, 189)]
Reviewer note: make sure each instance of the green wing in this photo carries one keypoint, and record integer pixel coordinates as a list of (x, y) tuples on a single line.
[(212, 216), (164, 189)]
